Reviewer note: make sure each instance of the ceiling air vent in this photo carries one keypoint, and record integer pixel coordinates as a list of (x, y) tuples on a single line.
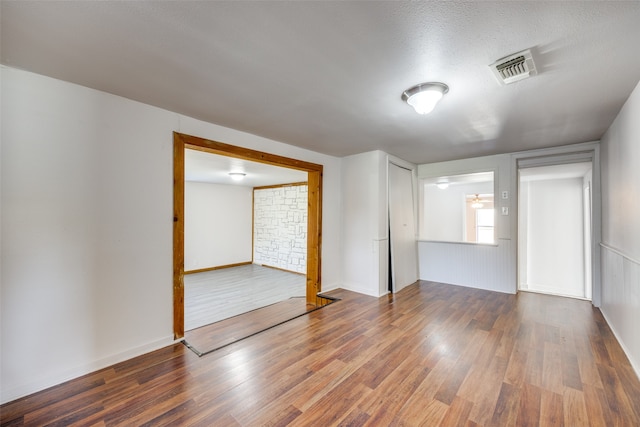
[(514, 67)]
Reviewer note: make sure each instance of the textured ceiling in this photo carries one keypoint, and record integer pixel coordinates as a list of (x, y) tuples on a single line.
[(328, 76)]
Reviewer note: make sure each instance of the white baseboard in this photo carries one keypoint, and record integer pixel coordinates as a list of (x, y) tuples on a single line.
[(329, 289), (359, 289), (16, 391), (634, 364)]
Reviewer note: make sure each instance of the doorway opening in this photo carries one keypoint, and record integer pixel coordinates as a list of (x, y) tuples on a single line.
[(245, 237), (554, 229), (314, 215)]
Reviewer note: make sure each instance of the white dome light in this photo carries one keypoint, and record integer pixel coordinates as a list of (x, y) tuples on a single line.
[(424, 97)]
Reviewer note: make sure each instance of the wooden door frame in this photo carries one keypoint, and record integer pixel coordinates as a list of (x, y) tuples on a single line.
[(314, 221)]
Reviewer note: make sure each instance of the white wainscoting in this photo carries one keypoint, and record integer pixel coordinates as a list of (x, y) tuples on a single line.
[(490, 267), (621, 300)]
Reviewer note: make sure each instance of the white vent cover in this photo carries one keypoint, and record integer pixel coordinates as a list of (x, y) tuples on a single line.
[(514, 67)]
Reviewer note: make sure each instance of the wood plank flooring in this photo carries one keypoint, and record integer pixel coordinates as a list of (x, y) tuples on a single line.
[(215, 295), (212, 337), (431, 355)]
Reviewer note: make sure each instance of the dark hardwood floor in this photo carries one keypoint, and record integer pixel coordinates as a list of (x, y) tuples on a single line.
[(431, 355), (213, 337)]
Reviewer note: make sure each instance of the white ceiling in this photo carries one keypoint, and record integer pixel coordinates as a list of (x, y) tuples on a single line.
[(328, 75), (215, 169)]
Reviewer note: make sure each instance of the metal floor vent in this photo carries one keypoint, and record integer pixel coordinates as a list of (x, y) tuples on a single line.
[(515, 67)]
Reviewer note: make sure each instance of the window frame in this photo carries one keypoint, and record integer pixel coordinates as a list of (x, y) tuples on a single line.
[(432, 178)]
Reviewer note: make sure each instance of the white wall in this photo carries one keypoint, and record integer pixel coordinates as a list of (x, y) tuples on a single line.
[(280, 227), (621, 227), (365, 220), (86, 228), (489, 267), (218, 225), (494, 267), (365, 230), (553, 235)]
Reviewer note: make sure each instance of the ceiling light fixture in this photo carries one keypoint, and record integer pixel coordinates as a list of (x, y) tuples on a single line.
[(237, 176), (443, 185), (476, 203), (424, 97)]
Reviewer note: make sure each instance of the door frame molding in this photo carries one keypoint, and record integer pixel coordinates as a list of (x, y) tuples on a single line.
[(588, 151), (314, 222)]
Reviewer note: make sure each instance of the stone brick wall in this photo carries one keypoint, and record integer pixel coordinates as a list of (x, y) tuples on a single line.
[(280, 227)]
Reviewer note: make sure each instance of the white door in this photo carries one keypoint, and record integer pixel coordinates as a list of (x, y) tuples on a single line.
[(402, 233), (552, 230)]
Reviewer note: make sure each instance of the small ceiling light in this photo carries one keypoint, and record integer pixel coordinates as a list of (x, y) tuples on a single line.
[(443, 185), (424, 97), (237, 176), (476, 203)]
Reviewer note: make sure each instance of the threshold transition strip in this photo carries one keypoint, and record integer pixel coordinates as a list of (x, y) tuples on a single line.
[(215, 336)]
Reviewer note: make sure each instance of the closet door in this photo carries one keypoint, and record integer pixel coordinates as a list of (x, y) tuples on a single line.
[(402, 233)]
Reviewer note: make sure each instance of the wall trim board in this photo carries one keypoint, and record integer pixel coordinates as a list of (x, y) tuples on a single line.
[(210, 146), (355, 287), (57, 378), (293, 184), (282, 269), (219, 267), (619, 252), (178, 235), (634, 364), (540, 289)]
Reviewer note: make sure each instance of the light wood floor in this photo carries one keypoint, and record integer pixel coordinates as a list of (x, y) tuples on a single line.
[(431, 355), (215, 295)]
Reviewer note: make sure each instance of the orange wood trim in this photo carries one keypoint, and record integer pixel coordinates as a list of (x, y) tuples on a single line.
[(314, 235), (314, 216), (253, 225), (293, 184), (178, 236), (209, 146), (220, 267)]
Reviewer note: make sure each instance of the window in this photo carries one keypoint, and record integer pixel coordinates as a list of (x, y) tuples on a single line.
[(458, 208), (484, 225), (479, 217)]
